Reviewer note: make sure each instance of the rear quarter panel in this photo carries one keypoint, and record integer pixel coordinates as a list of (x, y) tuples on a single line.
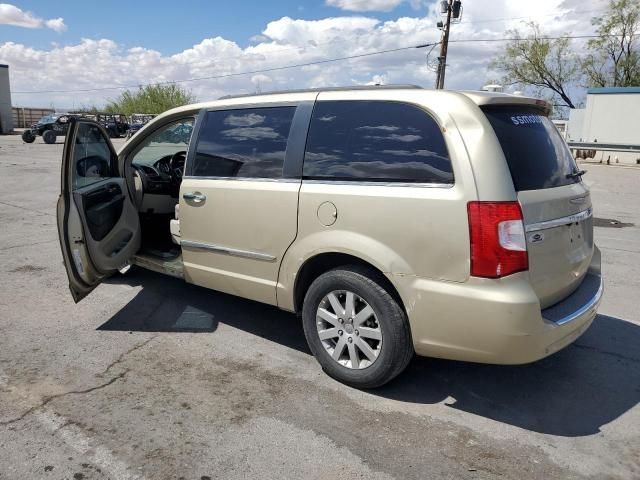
[(400, 229)]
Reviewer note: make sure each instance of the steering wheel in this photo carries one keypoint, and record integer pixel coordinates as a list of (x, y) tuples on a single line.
[(176, 166)]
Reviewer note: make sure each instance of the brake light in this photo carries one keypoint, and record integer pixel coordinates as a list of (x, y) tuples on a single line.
[(498, 244)]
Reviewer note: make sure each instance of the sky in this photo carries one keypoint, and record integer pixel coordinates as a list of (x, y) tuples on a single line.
[(61, 48)]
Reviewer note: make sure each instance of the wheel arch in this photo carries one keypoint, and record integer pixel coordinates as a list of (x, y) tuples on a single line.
[(321, 263)]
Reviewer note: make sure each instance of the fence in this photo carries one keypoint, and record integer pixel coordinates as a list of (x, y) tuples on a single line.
[(25, 117)]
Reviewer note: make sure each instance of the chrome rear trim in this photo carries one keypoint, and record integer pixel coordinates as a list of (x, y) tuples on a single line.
[(189, 244), (576, 217), (589, 305)]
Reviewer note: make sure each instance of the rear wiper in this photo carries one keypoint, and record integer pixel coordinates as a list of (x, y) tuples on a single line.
[(576, 174)]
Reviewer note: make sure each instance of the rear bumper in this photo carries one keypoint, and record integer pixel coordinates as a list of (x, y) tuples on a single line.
[(495, 321)]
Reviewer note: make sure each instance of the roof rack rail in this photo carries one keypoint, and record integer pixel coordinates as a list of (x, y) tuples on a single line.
[(326, 89)]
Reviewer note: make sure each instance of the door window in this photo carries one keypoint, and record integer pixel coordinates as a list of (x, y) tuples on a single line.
[(93, 160), (247, 143), (375, 141)]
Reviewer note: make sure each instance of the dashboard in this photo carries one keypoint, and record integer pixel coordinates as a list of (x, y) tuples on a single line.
[(163, 176)]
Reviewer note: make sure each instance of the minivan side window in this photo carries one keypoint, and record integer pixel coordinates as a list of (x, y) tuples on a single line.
[(375, 141), (246, 143)]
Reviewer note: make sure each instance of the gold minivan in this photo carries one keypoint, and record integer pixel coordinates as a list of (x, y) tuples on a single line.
[(393, 220)]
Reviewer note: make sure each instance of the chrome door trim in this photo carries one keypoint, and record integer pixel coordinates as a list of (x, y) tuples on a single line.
[(576, 217), (227, 250), (243, 179), (360, 183)]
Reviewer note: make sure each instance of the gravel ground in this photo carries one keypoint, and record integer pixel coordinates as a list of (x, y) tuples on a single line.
[(120, 386)]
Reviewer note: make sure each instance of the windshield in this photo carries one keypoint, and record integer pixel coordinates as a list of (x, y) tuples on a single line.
[(536, 154), (47, 119), (164, 142)]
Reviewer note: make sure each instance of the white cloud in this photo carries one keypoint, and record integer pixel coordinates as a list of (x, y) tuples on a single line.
[(365, 5), (12, 15), (104, 63), (372, 5), (56, 24)]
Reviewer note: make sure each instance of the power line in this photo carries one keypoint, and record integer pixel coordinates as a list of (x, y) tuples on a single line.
[(316, 45), (235, 74), (505, 19), (520, 39), (299, 65)]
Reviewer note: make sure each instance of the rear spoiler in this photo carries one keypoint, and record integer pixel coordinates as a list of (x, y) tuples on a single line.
[(482, 99)]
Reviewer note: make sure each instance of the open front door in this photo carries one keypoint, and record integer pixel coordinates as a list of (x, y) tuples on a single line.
[(98, 223)]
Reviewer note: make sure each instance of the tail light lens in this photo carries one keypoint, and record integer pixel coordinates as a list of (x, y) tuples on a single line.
[(498, 244)]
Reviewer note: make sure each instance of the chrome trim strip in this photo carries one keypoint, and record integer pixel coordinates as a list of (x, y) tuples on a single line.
[(227, 251), (585, 308), (243, 179), (576, 217), (379, 184)]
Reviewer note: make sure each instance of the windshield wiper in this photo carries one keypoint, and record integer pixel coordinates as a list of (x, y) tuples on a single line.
[(576, 174)]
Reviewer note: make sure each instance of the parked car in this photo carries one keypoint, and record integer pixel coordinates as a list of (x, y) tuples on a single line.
[(393, 220), (116, 124), (50, 127), (137, 121)]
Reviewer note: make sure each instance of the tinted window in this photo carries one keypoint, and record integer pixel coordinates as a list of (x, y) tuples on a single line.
[(375, 141), (91, 157), (537, 156), (248, 143)]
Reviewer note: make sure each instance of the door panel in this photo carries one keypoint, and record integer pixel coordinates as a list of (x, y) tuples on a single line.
[(235, 233), (103, 208), (98, 224), (239, 198), (110, 221)]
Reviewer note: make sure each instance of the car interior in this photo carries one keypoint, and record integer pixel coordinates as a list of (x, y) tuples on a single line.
[(157, 166)]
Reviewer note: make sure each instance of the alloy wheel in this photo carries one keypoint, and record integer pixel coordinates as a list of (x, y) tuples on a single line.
[(349, 329)]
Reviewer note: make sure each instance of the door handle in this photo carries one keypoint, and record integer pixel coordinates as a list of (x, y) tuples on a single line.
[(195, 197)]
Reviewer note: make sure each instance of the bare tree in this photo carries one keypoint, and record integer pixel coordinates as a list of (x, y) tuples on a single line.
[(614, 58), (534, 60)]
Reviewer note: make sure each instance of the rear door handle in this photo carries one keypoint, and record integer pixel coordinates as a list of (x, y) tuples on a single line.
[(194, 196)]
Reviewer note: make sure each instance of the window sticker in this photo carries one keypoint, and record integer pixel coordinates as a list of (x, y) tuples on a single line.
[(526, 119)]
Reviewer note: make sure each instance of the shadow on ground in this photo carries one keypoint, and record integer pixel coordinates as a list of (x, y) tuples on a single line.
[(572, 393)]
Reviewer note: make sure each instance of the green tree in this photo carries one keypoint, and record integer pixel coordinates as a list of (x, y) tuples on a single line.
[(150, 99), (548, 65), (614, 57)]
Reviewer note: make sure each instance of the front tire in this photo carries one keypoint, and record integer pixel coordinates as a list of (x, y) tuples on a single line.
[(355, 328), (28, 136), (49, 137)]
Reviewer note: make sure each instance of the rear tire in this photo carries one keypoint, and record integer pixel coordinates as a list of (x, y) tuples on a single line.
[(49, 137), (387, 347), (28, 136)]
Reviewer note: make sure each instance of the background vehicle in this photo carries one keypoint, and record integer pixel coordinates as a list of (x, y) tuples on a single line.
[(393, 220), (49, 127), (116, 124), (137, 121)]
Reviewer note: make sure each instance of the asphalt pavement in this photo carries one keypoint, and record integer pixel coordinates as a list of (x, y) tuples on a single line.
[(152, 378)]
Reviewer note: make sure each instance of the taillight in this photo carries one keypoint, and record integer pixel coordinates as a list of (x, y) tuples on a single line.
[(498, 244)]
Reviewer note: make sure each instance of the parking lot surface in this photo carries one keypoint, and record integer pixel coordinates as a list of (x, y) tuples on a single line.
[(152, 378)]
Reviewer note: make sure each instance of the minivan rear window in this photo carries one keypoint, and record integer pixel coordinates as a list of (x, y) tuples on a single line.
[(536, 154)]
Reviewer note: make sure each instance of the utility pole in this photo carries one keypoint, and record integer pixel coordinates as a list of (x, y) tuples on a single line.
[(453, 9)]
